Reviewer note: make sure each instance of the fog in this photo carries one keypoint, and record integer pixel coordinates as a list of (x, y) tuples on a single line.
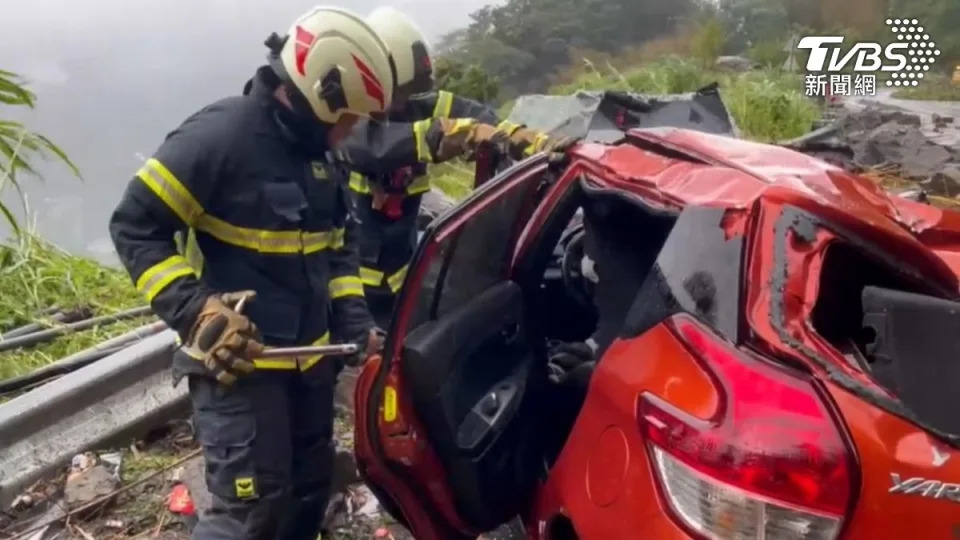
[(114, 76)]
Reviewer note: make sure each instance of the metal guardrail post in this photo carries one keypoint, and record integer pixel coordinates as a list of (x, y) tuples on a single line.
[(122, 395)]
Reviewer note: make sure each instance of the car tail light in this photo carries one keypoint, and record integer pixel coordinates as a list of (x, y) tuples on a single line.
[(772, 463)]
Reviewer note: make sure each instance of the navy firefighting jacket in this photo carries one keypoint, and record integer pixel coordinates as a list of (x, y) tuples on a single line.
[(394, 157), (268, 214)]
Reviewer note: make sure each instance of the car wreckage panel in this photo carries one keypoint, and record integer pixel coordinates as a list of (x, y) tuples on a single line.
[(601, 480), (391, 446), (604, 116), (779, 212)]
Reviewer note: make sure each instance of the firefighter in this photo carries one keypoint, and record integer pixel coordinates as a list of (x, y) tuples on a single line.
[(251, 176), (389, 158)]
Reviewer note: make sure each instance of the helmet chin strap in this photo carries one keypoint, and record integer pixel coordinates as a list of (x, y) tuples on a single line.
[(298, 120)]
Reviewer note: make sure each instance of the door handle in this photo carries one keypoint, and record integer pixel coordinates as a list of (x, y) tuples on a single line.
[(484, 419)]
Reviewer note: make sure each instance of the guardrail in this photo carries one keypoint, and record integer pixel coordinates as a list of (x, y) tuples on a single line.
[(119, 396)]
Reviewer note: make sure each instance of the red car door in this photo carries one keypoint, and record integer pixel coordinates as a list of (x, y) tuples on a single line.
[(441, 418)]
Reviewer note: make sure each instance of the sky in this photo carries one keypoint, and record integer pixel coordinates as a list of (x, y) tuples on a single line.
[(114, 76)]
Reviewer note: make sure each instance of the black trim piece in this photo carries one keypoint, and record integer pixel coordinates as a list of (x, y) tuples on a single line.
[(475, 198)]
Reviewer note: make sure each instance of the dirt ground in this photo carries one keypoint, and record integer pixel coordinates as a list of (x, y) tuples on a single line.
[(130, 490)]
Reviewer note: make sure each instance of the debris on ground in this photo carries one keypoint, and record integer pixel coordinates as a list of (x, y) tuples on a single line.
[(91, 483), (901, 150), (156, 488), (180, 504), (119, 493)]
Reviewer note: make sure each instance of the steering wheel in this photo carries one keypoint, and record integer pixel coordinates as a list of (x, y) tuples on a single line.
[(576, 284)]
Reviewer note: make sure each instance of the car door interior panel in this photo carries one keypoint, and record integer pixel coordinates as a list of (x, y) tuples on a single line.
[(470, 374)]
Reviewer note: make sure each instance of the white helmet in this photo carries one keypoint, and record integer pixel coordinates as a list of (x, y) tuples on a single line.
[(408, 48), (337, 63)]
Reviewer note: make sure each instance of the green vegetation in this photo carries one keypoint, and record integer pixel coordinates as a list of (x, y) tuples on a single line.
[(530, 45), (20, 147), (35, 275), (935, 88), (466, 80), (454, 178)]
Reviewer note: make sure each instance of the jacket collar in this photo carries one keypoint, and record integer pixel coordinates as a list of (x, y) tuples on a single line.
[(306, 134)]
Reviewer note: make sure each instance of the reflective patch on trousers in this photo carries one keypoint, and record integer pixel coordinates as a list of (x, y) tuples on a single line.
[(245, 487)]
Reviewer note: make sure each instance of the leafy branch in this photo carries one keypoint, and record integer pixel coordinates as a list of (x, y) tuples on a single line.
[(20, 147)]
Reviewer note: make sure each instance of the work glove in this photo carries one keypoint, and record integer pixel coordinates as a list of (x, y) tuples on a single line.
[(225, 340), (524, 142), (368, 344), (461, 137)]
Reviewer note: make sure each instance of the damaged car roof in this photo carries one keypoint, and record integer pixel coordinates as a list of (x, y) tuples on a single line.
[(679, 167)]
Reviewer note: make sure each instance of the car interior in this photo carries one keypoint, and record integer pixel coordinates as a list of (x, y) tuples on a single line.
[(499, 368)]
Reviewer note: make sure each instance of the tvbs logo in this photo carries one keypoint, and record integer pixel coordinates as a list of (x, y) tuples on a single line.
[(910, 55)]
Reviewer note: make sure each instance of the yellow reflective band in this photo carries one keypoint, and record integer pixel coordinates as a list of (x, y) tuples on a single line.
[(370, 276), (303, 363), (166, 186), (338, 238), (310, 361), (359, 183), (395, 281), (419, 185), (345, 286), (389, 404), (273, 242), (508, 127), (319, 172), (461, 125), (276, 363), (192, 252), (156, 278), (420, 128), (174, 194), (444, 104), (536, 145)]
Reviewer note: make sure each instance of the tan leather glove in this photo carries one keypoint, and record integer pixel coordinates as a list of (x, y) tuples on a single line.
[(461, 137), (526, 142), (226, 340)]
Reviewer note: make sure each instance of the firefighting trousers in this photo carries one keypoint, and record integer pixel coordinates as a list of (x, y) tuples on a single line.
[(268, 446)]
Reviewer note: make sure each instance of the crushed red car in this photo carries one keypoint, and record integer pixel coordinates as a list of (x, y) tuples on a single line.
[(772, 343)]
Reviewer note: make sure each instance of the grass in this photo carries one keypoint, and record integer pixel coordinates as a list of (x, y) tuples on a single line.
[(35, 275), (933, 88), (453, 178), (767, 106)]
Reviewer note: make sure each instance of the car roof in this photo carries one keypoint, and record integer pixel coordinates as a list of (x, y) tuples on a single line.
[(679, 167)]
